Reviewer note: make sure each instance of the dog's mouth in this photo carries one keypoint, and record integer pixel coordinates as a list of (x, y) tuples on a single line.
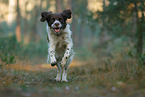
[(57, 30)]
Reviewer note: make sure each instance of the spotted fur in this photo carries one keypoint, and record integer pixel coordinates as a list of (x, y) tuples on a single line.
[(60, 52)]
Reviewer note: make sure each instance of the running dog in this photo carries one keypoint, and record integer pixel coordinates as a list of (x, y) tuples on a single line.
[(60, 50)]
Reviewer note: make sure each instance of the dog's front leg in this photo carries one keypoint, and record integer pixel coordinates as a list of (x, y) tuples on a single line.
[(59, 70), (66, 54), (52, 54), (64, 74), (64, 63)]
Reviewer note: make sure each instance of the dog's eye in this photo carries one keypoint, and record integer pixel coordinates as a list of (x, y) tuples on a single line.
[(60, 19), (53, 19)]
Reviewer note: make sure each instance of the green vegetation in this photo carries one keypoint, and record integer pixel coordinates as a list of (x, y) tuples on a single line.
[(109, 49), (122, 79), (121, 76)]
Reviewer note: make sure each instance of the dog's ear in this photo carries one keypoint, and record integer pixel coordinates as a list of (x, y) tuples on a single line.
[(45, 15), (66, 14)]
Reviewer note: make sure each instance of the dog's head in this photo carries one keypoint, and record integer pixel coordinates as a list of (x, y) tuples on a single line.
[(56, 21)]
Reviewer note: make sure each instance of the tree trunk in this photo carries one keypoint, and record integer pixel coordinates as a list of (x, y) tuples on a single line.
[(74, 24), (68, 5), (34, 22), (134, 28), (18, 27), (82, 18), (104, 35), (59, 5), (139, 31), (26, 36)]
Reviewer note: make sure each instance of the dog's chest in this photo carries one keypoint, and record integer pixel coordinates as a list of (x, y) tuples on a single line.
[(60, 46), (60, 41)]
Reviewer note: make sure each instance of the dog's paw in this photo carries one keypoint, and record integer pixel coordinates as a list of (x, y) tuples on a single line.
[(57, 79), (64, 80), (53, 63)]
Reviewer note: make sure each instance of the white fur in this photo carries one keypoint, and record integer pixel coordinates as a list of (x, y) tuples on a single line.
[(56, 21), (60, 51)]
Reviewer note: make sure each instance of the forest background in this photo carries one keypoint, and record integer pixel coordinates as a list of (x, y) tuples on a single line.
[(108, 38)]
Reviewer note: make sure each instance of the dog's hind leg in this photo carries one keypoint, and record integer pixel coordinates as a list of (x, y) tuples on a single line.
[(64, 74), (59, 70)]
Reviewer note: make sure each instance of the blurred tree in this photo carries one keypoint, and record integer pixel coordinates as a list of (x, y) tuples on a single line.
[(34, 20), (74, 22), (12, 4), (120, 17), (59, 5), (18, 27), (26, 36), (140, 25), (104, 34), (79, 21), (31, 19), (83, 20)]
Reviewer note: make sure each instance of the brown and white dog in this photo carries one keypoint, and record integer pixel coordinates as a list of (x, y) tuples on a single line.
[(60, 41)]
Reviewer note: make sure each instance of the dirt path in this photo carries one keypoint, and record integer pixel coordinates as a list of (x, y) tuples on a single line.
[(85, 80)]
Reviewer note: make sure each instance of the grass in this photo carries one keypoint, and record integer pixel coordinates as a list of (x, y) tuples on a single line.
[(109, 73), (86, 79)]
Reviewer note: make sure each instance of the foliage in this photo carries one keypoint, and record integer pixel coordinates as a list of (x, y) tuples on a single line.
[(6, 59), (11, 49), (105, 62), (140, 60), (120, 17), (6, 56), (118, 78)]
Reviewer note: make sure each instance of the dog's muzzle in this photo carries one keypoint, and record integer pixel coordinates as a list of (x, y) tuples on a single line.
[(57, 27), (57, 30)]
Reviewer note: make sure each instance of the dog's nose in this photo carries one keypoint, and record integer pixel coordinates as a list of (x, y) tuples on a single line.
[(57, 24)]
